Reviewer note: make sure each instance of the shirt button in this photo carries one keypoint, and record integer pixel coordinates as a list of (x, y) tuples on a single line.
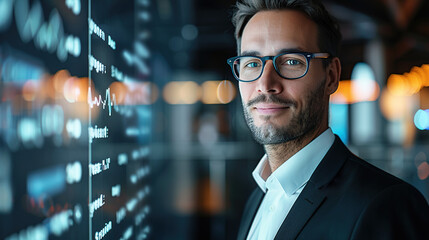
[(272, 208)]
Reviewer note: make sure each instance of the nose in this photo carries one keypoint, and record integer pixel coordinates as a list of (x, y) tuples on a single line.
[(269, 82)]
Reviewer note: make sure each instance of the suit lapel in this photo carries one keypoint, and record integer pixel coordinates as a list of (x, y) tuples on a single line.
[(314, 193), (249, 213), (301, 212)]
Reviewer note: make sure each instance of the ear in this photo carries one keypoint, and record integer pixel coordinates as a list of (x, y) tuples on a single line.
[(333, 73)]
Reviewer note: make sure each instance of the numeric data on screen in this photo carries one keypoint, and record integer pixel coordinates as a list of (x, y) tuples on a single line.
[(75, 119)]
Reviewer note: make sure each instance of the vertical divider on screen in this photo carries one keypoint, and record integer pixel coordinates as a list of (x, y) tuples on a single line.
[(89, 124)]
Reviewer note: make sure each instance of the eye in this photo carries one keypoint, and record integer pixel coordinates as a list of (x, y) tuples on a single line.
[(292, 62), (252, 65)]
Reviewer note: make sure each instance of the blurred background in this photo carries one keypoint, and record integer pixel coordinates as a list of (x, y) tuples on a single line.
[(121, 119)]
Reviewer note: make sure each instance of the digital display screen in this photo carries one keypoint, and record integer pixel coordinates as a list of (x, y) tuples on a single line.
[(75, 121)]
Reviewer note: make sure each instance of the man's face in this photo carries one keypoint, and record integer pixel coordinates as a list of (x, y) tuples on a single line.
[(278, 110)]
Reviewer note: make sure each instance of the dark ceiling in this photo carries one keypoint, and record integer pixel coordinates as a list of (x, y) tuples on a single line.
[(401, 25)]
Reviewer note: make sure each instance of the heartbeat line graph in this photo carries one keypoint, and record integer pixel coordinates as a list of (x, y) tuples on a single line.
[(109, 100)]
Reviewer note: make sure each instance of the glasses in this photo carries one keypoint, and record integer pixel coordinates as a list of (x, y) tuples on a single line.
[(289, 65)]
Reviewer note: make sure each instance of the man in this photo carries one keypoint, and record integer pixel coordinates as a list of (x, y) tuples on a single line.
[(310, 186)]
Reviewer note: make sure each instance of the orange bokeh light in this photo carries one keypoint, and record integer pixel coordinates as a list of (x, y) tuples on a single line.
[(76, 89), (423, 170), (141, 93), (210, 92), (226, 91), (425, 69), (349, 92), (395, 107), (409, 83), (397, 85), (59, 79), (186, 92), (29, 90), (120, 90)]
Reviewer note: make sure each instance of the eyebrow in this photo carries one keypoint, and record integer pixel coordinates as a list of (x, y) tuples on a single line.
[(250, 53), (284, 50)]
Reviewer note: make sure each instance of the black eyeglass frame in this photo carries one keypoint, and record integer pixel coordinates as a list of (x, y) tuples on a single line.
[(308, 56)]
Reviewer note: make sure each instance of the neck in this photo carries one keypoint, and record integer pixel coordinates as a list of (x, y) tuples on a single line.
[(280, 153)]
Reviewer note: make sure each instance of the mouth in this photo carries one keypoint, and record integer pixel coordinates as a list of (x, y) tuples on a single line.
[(270, 109)]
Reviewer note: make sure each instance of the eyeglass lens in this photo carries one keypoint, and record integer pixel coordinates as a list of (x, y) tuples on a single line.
[(290, 65)]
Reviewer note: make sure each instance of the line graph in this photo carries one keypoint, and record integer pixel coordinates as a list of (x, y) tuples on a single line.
[(109, 100)]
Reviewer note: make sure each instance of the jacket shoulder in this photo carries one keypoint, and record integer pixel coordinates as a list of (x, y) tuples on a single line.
[(372, 177)]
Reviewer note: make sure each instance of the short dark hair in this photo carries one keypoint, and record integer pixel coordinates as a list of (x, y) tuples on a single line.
[(329, 36)]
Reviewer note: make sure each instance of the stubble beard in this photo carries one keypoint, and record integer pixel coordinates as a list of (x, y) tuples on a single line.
[(302, 123)]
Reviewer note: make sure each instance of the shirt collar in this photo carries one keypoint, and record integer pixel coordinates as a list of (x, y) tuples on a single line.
[(297, 170)]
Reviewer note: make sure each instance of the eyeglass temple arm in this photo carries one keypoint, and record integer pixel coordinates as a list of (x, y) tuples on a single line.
[(321, 55)]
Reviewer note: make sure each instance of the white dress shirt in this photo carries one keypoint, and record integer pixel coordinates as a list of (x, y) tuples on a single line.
[(283, 186)]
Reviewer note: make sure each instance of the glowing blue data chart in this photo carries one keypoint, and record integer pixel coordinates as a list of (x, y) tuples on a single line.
[(75, 119)]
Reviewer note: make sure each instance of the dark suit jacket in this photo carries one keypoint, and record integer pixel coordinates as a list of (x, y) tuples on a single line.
[(348, 198)]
